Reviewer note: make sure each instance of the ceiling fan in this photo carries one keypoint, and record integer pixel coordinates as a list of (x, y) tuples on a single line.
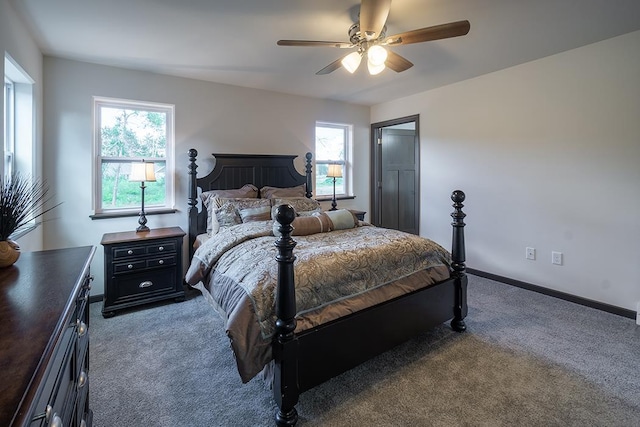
[(368, 37)]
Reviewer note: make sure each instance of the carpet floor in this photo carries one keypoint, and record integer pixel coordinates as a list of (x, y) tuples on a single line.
[(526, 359)]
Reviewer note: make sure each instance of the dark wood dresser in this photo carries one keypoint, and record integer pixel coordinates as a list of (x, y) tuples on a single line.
[(44, 339), (142, 267)]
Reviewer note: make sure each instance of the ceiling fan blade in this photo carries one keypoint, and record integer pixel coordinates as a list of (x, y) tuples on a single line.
[(331, 67), (396, 62), (373, 15), (314, 43), (437, 32)]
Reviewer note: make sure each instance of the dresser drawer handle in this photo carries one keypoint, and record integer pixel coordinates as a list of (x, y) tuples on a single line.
[(161, 262), (57, 421), (145, 284), (82, 328), (130, 266), (82, 380), (130, 252), (161, 248)]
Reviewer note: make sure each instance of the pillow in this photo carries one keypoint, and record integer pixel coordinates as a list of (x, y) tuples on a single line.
[(231, 214), (208, 201), (342, 219), (299, 204), (305, 225), (267, 192), (227, 215), (262, 213)]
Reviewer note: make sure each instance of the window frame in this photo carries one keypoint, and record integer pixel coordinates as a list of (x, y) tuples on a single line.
[(9, 126), (345, 162), (169, 159)]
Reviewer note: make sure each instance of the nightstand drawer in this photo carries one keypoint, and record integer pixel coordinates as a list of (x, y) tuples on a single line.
[(162, 261), (129, 252), (140, 284), (160, 248), (130, 266)]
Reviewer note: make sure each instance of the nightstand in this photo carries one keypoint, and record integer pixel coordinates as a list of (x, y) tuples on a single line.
[(142, 267)]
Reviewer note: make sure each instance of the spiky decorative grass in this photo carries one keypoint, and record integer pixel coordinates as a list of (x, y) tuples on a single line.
[(21, 202)]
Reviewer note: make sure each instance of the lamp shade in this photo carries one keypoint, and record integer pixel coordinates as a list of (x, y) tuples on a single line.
[(351, 61), (335, 171), (142, 172), (376, 55)]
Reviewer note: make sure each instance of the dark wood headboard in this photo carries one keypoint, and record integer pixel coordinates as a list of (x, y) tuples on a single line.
[(234, 171)]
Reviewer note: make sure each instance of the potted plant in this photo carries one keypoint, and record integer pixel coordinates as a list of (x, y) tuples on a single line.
[(21, 202)]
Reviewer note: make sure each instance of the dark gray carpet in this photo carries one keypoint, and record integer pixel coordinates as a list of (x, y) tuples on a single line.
[(526, 359)]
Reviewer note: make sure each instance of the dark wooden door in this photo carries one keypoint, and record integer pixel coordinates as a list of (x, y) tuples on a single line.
[(399, 169)]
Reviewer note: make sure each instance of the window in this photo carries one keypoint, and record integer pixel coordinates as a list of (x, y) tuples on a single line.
[(127, 132), (333, 146)]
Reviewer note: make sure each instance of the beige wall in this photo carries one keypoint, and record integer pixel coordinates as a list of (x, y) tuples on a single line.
[(210, 117), (548, 153)]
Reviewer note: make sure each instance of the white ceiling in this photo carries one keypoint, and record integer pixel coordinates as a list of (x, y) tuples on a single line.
[(234, 42)]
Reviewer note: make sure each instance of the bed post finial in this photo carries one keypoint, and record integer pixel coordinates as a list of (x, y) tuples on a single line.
[(308, 156), (285, 389), (193, 199), (458, 265)]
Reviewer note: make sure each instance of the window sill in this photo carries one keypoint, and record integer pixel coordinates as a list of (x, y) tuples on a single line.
[(109, 215), (325, 198)]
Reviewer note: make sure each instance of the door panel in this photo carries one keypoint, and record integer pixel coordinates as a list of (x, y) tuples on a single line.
[(398, 167)]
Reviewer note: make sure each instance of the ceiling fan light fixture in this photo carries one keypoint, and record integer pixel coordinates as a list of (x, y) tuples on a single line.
[(377, 55), (375, 68), (351, 62)]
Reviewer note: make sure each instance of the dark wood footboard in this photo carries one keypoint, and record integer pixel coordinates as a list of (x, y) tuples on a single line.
[(309, 358)]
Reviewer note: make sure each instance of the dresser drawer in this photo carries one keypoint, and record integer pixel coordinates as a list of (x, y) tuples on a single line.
[(58, 393)]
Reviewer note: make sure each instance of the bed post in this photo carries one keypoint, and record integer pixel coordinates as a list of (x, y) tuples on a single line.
[(193, 200), (285, 386), (309, 176), (458, 257)]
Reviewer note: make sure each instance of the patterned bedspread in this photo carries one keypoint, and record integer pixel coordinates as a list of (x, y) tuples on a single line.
[(239, 271)]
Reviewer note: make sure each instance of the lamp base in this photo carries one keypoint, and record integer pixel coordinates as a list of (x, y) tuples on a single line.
[(142, 228)]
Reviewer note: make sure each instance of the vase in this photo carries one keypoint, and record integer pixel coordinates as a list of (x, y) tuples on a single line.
[(9, 253)]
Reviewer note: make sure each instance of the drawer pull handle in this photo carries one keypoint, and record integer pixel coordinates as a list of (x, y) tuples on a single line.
[(82, 380), (130, 266), (161, 262), (161, 248), (57, 421), (145, 284), (82, 328), (130, 252)]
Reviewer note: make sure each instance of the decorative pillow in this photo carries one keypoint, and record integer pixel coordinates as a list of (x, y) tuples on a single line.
[(267, 192), (210, 203), (262, 213), (236, 204), (305, 225), (299, 204), (227, 215), (342, 219)]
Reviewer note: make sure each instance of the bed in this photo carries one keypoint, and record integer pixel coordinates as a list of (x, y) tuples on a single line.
[(301, 346)]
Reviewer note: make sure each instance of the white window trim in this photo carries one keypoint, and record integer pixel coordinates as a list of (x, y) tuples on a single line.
[(346, 163), (169, 160)]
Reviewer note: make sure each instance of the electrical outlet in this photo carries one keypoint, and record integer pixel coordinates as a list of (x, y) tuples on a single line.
[(638, 313), (556, 258), (530, 253)]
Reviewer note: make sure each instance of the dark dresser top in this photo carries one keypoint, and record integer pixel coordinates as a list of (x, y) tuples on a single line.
[(34, 293)]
